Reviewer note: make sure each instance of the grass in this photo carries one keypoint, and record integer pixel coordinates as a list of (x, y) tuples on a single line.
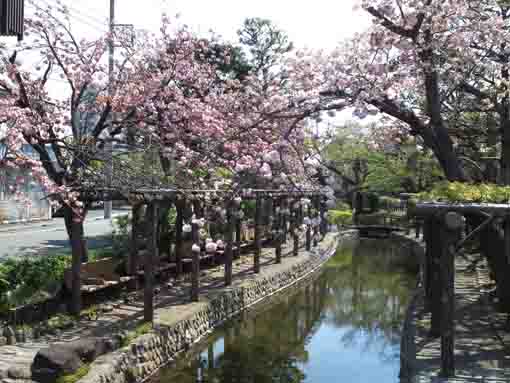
[(140, 330), (73, 378), (94, 254)]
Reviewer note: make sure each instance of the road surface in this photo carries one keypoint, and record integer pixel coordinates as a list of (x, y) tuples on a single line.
[(39, 238)]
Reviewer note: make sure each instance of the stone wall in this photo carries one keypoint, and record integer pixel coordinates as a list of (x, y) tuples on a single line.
[(148, 353)]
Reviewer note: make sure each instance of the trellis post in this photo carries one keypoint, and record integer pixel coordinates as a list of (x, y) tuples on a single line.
[(323, 222), (507, 238), (278, 250), (133, 254), (426, 271), (308, 223), (434, 263), (453, 223), (258, 234), (238, 223), (195, 252), (295, 227), (180, 206), (148, 307), (285, 208), (228, 245)]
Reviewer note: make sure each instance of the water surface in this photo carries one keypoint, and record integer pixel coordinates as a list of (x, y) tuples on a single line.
[(344, 326)]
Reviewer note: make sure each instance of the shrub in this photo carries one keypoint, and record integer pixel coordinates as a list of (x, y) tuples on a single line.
[(465, 192), (340, 217), (73, 378), (140, 330), (33, 278), (342, 206)]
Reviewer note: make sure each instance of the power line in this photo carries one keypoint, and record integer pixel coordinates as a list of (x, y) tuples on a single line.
[(82, 16), (82, 21), (101, 28)]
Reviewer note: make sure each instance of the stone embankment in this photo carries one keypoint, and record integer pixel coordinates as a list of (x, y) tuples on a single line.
[(177, 328)]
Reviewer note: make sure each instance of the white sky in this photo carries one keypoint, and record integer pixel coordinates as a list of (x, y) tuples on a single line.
[(313, 24), (320, 24)]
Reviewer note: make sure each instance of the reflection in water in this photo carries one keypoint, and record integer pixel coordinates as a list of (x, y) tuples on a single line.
[(342, 327)]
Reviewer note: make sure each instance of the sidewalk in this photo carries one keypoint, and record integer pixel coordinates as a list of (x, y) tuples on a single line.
[(48, 223), (481, 343)]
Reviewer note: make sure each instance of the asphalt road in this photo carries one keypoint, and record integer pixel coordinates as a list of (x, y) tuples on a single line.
[(39, 238)]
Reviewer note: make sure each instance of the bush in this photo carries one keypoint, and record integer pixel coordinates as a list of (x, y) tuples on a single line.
[(465, 192), (342, 206), (340, 217), (140, 330), (33, 278)]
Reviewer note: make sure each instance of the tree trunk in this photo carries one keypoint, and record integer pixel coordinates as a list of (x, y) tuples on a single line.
[(258, 235), (152, 255), (436, 135), (74, 227), (505, 127)]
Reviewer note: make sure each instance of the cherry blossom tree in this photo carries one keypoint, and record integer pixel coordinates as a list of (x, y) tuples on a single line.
[(413, 63), (54, 126), (166, 96)]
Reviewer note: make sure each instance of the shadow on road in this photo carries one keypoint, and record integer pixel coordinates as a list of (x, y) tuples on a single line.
[(60, 246)]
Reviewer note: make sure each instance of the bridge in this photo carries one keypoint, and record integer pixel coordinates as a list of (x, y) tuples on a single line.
[(380, 218), (376, 231)]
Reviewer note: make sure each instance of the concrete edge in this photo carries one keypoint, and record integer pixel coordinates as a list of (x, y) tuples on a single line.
[(145, 356)]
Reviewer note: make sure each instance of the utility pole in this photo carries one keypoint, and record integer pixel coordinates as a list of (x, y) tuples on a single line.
[(109, 146)]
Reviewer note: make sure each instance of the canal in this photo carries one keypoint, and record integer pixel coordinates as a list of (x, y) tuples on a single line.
[(342, 326)]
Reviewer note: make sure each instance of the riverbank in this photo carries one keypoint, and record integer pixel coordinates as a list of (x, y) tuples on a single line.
[(482, 341), (178, 327), (178, 323)]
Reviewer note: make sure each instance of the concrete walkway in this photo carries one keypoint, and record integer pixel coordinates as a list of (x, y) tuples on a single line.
[(171, 303), (481, 344)]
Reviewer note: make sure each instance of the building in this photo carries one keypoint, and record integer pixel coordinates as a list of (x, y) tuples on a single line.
[(12, 18), (21, 197)]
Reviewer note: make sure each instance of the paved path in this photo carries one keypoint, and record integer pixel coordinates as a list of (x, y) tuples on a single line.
[(38, 238), (171, 304), (481, 344)]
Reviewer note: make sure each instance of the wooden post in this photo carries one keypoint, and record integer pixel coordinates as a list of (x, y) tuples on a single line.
[(195, 252), (180, 206), (425, 267), (258, 234), (309, 228), (210, 356), (434, 264), (278, 250), (323, 224), (285, 207), (453, 224), (77, 250), (316, 227), (133, 254), (295, 226), (152, 253), (228, 245), (507, 239), (238, 223)]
